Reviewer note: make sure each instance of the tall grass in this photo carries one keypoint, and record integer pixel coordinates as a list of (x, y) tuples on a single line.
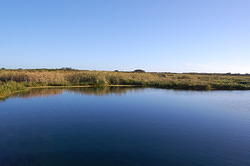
[(13, 80), (7, 88)]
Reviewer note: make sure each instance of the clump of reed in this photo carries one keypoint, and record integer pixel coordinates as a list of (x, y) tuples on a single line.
[(8, 88)]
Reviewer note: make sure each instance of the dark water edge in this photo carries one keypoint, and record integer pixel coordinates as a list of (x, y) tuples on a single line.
[(125, 126)]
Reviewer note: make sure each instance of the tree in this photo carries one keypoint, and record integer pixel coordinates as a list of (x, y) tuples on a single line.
[(139, 71)]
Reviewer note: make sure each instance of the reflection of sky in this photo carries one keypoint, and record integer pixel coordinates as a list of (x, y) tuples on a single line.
[(148, 125)]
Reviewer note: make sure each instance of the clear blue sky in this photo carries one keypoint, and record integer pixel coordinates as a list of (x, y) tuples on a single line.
[(155, 35)]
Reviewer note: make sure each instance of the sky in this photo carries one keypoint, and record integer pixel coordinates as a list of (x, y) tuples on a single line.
[(154, 35)]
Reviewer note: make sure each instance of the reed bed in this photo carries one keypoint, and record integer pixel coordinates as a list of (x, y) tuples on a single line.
[(15, 80)]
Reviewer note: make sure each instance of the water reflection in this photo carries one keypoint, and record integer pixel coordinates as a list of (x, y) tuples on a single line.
[(39, 93), (98, 91), (139, 127)]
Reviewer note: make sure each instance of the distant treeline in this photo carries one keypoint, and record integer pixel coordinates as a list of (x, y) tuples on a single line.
[(15, 80), (134, 71)]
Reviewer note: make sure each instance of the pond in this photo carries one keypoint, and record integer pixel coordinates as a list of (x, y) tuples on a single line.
[(125, 127)]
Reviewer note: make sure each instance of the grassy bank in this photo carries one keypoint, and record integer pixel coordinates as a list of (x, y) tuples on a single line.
[(8, 88), (16, 80)]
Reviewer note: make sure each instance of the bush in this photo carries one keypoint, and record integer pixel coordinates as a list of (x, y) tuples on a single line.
[(139, 71)]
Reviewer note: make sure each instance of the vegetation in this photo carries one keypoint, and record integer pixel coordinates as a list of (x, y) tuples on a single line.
[(8, 88), (16, 80), (139, 71)]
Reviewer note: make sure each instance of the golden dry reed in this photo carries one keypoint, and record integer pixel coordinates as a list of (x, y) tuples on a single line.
[(16, 80)]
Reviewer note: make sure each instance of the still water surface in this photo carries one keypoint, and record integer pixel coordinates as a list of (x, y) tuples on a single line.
[(125, 127)]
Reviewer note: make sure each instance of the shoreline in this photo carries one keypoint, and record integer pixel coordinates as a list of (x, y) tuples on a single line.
[(103, 86), (81, 86), (12, 81)]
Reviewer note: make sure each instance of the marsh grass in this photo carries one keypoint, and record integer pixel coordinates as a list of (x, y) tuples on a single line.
[(16, 80), (10, 87)]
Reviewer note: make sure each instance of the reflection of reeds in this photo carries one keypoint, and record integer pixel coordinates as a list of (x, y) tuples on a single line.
[(100, 91), (39, 93)]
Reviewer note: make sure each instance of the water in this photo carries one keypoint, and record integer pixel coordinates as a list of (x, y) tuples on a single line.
[(125, 127)]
